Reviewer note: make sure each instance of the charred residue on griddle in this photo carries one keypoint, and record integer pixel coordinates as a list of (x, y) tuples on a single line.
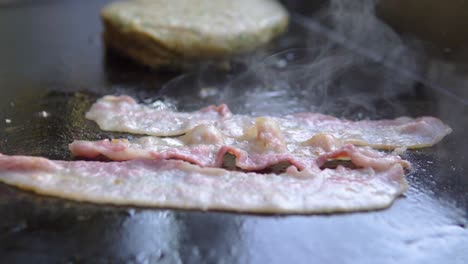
[(334, 163), (229, 163)]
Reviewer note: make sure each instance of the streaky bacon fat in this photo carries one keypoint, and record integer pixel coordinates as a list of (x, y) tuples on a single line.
[(124, 114), (177, 184)]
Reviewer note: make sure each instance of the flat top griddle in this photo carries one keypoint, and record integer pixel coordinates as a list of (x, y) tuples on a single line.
[(53, 66)]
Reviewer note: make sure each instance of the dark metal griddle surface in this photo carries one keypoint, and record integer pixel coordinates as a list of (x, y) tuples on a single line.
[(52, 67)]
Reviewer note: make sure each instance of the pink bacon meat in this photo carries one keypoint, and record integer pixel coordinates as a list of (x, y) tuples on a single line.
[(177, 184), (122, 113)]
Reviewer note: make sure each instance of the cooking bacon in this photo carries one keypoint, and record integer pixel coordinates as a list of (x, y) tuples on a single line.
[(212, 155), (177, 184), (188, 171), (122, 113)]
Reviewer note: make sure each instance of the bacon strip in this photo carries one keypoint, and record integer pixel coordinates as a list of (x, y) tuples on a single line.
[(122, 113), (177, 184), (213, 155)]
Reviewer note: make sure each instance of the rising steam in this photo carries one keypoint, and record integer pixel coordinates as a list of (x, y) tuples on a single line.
[(339, 64)]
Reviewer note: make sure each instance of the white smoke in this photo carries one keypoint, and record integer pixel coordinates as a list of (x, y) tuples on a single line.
[(343, 67), (340, 61)]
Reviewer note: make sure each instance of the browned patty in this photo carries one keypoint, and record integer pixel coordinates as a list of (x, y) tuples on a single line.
[(177, 33)]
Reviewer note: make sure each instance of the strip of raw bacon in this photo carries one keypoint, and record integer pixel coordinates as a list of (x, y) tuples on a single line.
[(402, 132), (178, 184), (123, 114), (246, 158)]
